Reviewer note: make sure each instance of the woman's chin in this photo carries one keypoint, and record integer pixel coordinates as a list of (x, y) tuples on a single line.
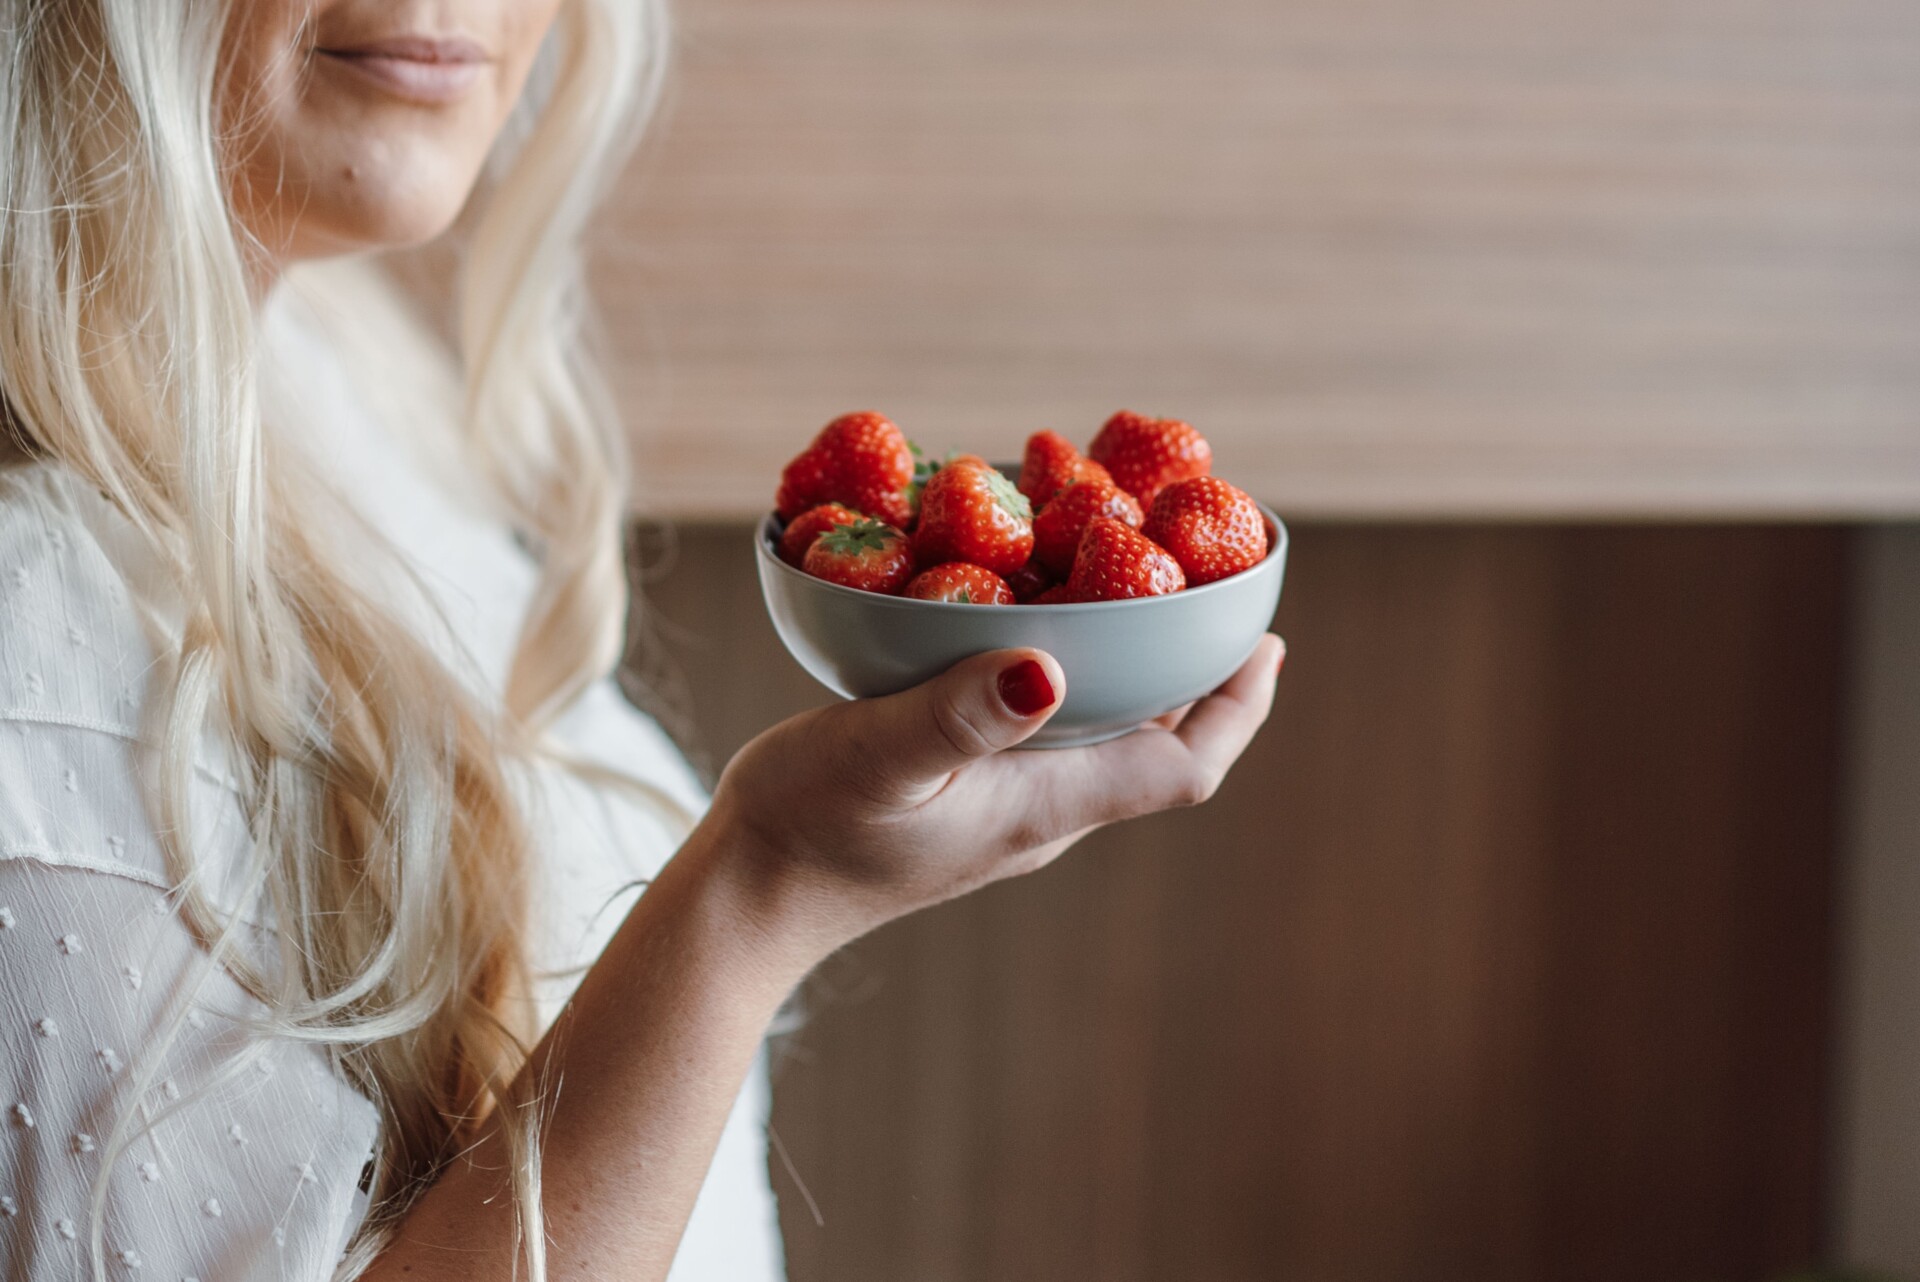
[(366, 227)]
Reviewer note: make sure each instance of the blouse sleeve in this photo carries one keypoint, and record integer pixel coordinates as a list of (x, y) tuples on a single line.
[(241, 1157)]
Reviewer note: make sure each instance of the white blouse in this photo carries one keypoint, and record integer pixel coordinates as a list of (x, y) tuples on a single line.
[(252, 1167)]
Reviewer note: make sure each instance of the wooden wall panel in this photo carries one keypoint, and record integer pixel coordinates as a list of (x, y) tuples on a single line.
[(1877, 1148), (1503, 955), (1394, 256)]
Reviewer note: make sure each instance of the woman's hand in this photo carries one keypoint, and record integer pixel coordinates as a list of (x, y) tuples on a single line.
[(851, 815)]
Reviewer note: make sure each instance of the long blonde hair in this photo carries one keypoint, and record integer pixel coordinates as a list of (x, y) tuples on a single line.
[(386, 843)]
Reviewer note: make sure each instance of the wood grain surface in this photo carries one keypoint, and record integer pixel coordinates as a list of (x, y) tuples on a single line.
[(1503, 955), (1877, 1135), (1395, 257)]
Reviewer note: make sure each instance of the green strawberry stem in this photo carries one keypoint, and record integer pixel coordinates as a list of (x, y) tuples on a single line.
[(866, 535), (923, 470)]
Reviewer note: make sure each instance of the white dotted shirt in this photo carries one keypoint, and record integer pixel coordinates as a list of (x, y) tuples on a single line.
[(252, 1167)]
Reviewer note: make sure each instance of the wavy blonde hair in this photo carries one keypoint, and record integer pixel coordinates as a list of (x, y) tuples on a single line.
[(386, 842)]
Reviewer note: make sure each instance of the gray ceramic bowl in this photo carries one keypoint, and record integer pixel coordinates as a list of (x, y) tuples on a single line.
[(1126, 661)]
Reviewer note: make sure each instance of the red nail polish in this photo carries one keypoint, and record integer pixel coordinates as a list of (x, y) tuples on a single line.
[(1024, 688)]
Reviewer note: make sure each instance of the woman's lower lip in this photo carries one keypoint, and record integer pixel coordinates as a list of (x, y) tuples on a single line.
[(413, 79)]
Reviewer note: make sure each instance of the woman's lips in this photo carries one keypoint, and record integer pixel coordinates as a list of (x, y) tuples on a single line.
[(422, 69)]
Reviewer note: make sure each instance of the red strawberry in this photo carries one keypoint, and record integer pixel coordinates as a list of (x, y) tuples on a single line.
[(959, 581), (870, 555), (923, 470), (860, 460), (1144, 454), (1210, 527), (972, 513), (1058, 594), (804, 482), (1057, 530), (1051, 465), (802, 530), (1031, 579), (1116, 561)]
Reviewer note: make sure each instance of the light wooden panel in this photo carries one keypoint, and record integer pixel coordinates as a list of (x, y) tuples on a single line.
[(1503, 955), (1394, 256)]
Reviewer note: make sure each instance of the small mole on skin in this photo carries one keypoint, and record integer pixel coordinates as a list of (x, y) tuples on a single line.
[(350, 174)]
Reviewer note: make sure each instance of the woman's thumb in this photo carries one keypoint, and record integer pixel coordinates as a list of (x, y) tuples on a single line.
[(974, 709)]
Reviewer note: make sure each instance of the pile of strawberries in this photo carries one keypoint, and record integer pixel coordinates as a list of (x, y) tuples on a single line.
[(1137, 515)]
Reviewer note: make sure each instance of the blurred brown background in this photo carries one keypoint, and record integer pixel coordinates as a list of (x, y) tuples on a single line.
[(1566, 923), (1504, 953)]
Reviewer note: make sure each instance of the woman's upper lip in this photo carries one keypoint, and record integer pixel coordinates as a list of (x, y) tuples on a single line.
[(411, 48)]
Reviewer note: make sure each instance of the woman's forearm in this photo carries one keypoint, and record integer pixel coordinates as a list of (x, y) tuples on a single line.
[(646, 1062)]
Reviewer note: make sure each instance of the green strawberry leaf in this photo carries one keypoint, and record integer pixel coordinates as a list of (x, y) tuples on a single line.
[(858, 537), (923, 470), (1008, 495), (923, 467)]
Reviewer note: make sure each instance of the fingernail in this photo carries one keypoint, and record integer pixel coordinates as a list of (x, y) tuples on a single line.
[(1281, 662), (1024, 688)]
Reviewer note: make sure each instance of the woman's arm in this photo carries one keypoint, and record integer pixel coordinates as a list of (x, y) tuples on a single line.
[(821, 829), (646, 1061)]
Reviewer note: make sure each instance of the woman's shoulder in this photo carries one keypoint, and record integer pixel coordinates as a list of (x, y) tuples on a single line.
[(82, 620), (85, 606)]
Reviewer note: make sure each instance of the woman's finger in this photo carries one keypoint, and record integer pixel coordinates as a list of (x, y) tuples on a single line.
[(1155, 768), (913, 740), (1221, 725)]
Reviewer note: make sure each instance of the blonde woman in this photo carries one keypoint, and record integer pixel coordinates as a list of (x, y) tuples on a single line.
[(322, 826)]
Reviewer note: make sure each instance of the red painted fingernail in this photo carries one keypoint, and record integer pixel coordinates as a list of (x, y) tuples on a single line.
[(1024, 688)]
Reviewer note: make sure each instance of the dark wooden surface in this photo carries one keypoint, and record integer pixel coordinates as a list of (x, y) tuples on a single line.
[(1503, 955)]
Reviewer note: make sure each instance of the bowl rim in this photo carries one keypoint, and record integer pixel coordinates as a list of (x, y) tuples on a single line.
[(764, 536)]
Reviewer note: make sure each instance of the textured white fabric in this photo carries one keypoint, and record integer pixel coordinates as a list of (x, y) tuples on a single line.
[(253, 1170)]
